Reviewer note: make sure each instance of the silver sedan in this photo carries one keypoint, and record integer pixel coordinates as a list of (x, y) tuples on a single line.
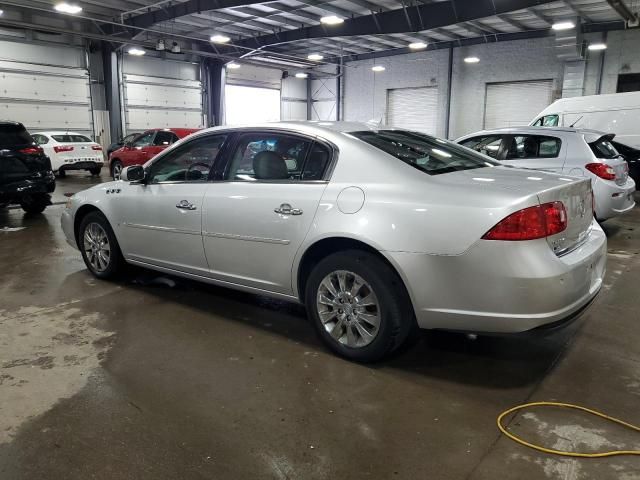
[(376, 231)]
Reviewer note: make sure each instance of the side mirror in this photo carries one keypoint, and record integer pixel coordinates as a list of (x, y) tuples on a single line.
[(135, 173)]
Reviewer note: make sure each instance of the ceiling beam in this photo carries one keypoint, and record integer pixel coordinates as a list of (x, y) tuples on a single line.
[(429, 16)]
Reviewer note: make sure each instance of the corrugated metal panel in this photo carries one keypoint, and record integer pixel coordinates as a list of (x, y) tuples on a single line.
[(413, 109), (252, 76), (515, 103)]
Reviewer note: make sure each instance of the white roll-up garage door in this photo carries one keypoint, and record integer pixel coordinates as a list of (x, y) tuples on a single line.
[(413, 109), (161, 93), (45, 87), (516, 103)]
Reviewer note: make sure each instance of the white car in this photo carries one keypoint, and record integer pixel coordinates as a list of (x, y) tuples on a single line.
[(376, 231), (71, 151), (569, 151)]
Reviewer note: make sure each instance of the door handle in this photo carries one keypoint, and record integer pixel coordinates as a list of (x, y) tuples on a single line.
[(185, 205), (286, 209)]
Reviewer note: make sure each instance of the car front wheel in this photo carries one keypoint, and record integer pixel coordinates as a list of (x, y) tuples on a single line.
[(358, 305), (99, 247)]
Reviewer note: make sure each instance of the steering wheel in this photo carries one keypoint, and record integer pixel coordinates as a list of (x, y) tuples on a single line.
[(197, 164)]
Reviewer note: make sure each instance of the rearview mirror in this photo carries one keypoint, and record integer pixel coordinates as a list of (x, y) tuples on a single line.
[(135, 173)]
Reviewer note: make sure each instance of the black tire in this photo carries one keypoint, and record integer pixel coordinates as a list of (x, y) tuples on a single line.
[(396, 317), (114, 164), (35, 204), (116, 263), (95, 171), (61, 173)]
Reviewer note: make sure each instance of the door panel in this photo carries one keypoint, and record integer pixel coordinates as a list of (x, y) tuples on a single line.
[(246, 241)]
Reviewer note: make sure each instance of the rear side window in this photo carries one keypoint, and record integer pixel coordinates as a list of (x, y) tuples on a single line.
[(163, 139), (70, 138), (603, 149), (317, 163), (488, 145), (532, 146), (427, 154), (11, 135)]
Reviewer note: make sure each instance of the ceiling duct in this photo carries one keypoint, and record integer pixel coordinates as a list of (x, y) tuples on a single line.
[(568, 42)]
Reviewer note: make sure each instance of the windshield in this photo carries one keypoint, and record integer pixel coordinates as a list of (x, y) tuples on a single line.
[(71, 138), (11, 135), (603, 149), (428, 154)]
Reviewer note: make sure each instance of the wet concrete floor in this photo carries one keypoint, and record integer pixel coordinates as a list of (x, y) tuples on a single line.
[(141, 380)]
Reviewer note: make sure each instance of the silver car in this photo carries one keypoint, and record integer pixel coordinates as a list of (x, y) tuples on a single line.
[(571, 151), (375, 231)]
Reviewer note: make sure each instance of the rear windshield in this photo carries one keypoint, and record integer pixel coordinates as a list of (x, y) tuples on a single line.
[(603, 149), (70, 138), (11, 135), (428, 154)]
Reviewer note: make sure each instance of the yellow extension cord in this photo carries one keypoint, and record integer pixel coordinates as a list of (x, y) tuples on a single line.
[(560, 452)]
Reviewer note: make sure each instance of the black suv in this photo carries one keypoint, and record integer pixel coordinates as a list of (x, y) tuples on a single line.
[(25, 171)]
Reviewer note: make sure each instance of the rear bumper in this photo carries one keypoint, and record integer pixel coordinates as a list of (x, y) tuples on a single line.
[(84, 165), (12, 192), (503, 287), (612, 199)]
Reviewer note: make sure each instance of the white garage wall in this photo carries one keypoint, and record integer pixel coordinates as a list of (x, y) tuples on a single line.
[(45, 87), (621, 56), (294, 99)]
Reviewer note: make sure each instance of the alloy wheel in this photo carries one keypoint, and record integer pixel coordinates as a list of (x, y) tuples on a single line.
[(96, 247), (348, 309), (117, 171)]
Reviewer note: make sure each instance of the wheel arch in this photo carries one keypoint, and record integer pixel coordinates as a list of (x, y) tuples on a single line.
[(82, 212)]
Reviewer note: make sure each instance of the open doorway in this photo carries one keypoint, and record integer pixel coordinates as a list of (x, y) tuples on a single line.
[(251, 105)]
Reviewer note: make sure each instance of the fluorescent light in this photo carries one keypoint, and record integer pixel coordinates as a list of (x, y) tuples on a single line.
[(219, 38), (417, 45), (597, 46), (136, 51), (1, 12), (315, 57), (65, 7), (302, 75), (471, 60), (233, 65), (563, 25), (378, 68), (331, 20)]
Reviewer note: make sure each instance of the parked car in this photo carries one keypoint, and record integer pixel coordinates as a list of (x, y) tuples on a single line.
[(570, 151), (121, 143), (376, 231), (632, 156), (71, 151), (144, 147), (614, 112), (25, 171)]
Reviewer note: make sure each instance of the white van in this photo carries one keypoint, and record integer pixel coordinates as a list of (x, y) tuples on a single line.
[(617, 113)]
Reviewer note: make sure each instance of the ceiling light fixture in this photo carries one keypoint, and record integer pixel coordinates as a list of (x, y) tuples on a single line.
[(597, 46), (65, 7), (332, 20), (302, 75), (378, 68), (135, 51), (233, 65), (219, 39), (315, 57), (175, 47), (471, 60), (160, 45), (1, 12), (417, 45), (563, 25)]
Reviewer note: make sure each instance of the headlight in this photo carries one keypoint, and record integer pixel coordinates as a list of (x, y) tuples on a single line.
[(69, 202)]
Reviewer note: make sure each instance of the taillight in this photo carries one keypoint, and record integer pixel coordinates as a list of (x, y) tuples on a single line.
[(31, 150), (62, 148), (601, 170), (531, 223), (96, 147)]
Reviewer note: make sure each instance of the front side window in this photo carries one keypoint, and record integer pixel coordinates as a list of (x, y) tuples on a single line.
[(143, 140), (164, 139), (268, 156), (190, 162), (428, 154), (532, 146), (487, 145)]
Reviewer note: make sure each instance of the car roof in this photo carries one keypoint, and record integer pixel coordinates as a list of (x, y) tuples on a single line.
[(178, 131), (61, 132), (11, 122), (313, 127)]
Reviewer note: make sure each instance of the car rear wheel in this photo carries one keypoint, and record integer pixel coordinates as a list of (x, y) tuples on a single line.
[(35, 203), (358, 305), (116, 169), (95, 171), (99, 247)]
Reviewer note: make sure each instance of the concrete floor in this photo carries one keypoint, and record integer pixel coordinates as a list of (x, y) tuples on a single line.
[(141, 380)]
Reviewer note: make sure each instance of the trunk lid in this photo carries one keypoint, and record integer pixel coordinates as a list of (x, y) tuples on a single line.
[(81, 148), (606, 153)]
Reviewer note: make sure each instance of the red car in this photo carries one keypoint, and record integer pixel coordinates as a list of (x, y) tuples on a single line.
[(144, 147)]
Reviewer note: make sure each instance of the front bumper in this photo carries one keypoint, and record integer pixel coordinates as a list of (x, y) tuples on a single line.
[(613, 199), (503, 287), (66, 221)]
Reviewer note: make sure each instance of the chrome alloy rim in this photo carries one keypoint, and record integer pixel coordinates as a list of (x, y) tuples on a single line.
[(117, 171), (96, 247), (348, 309)]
